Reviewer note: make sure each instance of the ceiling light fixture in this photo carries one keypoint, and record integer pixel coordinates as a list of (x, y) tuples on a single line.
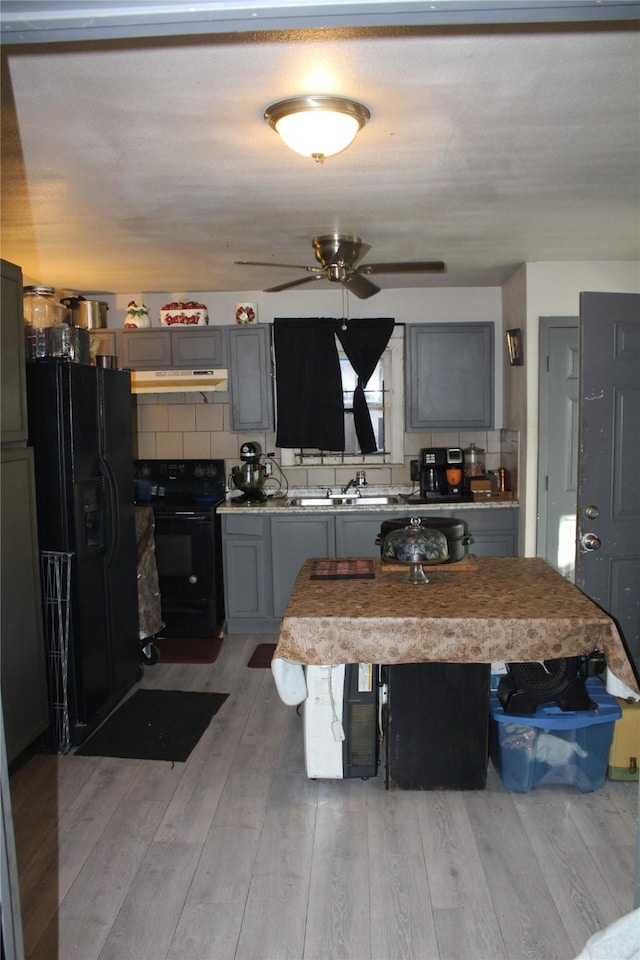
[(319, 125)]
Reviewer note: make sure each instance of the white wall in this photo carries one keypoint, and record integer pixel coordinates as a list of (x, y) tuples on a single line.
[(410, 305), (549, 290)]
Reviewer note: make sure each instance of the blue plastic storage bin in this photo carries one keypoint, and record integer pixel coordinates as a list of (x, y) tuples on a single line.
[(554, 745)]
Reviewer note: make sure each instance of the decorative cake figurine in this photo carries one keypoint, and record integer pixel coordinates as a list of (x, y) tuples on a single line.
[(137, 315), (188, 313)]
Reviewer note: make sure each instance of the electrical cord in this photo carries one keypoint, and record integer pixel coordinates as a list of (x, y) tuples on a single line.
[(336, 724), (279, 493)]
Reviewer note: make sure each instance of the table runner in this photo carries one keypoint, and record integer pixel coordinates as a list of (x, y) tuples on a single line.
[(513, 609)]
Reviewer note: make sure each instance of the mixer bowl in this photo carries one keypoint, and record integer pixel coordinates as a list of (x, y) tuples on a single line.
[(250, 480)]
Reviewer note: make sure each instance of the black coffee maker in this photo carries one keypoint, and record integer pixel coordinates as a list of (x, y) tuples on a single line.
[(442, 474)]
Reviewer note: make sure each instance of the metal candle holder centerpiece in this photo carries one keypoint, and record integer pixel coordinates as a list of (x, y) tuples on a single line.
[(415, 546)]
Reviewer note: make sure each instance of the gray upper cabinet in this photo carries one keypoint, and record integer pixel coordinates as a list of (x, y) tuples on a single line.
[(449, 377), (104, 342), (163, 348), (251, 377), (204, 345), (14, 391)]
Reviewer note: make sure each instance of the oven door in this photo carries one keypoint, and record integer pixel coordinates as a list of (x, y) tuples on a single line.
[(188, 575)]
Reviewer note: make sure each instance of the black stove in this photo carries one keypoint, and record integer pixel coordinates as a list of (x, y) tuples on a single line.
[(183, 495), (179, 486)]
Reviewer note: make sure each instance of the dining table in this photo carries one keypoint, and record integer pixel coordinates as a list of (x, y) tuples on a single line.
[(489, 609)]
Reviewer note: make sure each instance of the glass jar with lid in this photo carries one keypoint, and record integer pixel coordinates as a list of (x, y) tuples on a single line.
[(474, 462), (41, 309), (43, 316)]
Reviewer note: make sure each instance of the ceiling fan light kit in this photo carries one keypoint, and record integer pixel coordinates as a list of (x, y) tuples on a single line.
[(318, 125)]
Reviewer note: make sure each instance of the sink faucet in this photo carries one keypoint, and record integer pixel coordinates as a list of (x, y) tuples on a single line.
[(360, 480)]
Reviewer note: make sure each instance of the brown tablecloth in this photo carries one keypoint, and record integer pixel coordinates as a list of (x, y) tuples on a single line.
[(149, 619), (511, 609)]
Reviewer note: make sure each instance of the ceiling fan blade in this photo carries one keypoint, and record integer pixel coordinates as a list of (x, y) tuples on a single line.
[(423, 266), (360, 286), (293, 283), (290, 266)]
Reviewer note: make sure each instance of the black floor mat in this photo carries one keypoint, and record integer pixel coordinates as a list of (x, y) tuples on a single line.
[(154, 725), (262, 655)]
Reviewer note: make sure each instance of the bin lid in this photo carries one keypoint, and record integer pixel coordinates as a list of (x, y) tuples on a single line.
[(549, 716)]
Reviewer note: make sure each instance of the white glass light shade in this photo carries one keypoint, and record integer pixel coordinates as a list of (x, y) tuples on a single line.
[(317, 126)]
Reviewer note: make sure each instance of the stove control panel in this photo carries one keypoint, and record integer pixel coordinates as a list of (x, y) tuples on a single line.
[(179, 471)]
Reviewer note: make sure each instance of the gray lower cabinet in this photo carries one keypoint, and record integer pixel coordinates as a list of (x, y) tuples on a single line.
[(294, 539), (263, 554), (494, 532), (162, 348), (449, 376), (248, 591), (251, 378), (22, 649), (356, 534)]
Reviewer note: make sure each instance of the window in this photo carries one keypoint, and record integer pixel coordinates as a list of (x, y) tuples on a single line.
[(385, 399)]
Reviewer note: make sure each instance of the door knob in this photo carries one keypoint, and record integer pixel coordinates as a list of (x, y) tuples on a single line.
[(194, 579), (591, 542)]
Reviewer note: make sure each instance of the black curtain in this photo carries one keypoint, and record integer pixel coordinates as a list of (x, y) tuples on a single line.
[(364, 342), (310, 411)]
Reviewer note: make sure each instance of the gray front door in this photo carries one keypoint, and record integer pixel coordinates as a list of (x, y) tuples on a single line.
[(608, 543)]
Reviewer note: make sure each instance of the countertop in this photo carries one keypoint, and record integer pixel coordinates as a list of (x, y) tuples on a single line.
[(278, 504), (510, 609)]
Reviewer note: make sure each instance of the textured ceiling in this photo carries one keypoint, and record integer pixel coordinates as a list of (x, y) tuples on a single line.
[(145, 165)]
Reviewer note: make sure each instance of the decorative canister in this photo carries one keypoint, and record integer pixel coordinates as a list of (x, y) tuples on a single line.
[(474, 462), (246, 313), (137, 315)]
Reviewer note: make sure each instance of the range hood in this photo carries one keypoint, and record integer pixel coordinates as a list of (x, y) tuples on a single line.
[(178, 381)]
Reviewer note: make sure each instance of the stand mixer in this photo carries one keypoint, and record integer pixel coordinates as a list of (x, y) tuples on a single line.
[(250, 477)]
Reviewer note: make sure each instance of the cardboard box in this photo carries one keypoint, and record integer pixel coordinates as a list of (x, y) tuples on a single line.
[(554, 745), (624, 756)]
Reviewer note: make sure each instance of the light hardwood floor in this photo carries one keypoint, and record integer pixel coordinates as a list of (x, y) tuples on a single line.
[(237, 854)]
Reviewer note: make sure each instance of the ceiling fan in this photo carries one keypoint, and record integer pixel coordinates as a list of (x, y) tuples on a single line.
[(338, 255)]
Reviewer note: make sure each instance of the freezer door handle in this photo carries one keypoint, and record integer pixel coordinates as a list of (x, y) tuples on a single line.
[(111, 513)]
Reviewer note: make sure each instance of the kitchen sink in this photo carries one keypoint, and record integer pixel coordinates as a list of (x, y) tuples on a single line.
[(343, 499)]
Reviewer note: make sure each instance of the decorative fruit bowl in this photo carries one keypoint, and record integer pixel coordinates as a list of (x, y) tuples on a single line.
[(187, 313)]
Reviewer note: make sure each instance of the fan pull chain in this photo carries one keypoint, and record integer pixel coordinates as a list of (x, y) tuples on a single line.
[(345, 308)]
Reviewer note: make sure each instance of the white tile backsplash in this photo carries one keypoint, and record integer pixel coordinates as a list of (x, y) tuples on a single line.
[(181, 426)]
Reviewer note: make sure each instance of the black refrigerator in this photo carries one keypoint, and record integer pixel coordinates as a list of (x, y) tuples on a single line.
[(80, 427)]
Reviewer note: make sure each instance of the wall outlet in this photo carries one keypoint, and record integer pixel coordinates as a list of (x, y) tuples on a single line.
[(414, 471)]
